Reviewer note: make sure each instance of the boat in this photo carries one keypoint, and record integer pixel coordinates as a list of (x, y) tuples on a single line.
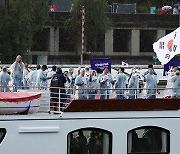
[(19, 102), (129, 126)]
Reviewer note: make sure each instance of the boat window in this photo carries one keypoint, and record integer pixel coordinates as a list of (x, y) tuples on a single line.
[(148, 140), (90, 141), (2, 134)]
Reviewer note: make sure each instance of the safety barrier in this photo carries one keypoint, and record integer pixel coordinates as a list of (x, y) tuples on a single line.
[(55, 99)]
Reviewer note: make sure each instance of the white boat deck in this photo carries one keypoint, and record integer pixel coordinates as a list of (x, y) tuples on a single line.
[(35, 116), (94, 115), (122, 114)]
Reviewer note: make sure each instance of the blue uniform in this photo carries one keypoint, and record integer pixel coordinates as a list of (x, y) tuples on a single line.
[(92, 85), (17, 74), (170, 75), (151, 82), (69, 84), (145, 73), (133, 83), (4, 81), (176, 84), (25, 78), (120, 83), (105, 83), (80, 82)]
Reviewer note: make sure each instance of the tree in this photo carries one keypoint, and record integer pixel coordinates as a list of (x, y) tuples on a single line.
[(20, 20), (96, 22)]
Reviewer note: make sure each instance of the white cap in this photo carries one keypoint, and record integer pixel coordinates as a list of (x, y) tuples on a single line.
[(166, 7), (19, 56)]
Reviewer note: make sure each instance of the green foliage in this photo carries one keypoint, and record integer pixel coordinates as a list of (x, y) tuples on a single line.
[(20, 20), (143, 9), (96, 22)]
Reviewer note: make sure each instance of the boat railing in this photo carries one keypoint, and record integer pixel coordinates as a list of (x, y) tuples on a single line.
[(56, 99)]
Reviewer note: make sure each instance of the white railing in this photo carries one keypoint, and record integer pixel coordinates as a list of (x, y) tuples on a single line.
[(55, 99)]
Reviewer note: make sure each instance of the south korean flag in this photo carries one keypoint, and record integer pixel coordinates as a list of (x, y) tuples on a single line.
[(168, 46)]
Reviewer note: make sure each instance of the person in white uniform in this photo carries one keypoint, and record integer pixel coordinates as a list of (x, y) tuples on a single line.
[(32, 76), (17, 73), (51, 73), (41, 78)]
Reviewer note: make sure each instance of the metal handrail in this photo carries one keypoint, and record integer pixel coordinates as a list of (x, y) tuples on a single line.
[(49, 87), (57, 101)]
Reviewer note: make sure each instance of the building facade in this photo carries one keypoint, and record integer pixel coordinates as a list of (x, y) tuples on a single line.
[(130, 39)]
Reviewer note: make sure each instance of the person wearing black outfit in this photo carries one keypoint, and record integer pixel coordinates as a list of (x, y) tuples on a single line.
[(58, 80), (82, 143), (92, 144)]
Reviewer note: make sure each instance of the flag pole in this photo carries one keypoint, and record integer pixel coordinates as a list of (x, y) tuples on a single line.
[(82, 36)]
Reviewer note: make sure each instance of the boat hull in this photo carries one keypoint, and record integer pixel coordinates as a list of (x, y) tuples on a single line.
[(19, 107)]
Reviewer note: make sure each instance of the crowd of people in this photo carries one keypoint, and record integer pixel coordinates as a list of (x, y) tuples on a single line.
[(88, 83), (91, 145), (19, 76)]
